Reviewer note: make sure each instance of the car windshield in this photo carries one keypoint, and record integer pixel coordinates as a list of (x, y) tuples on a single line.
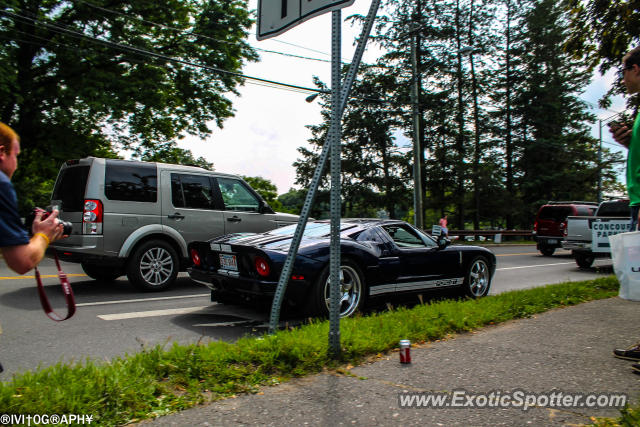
[(312, 229)]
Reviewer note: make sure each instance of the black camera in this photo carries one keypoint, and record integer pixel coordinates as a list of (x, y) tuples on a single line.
[(28, 223)]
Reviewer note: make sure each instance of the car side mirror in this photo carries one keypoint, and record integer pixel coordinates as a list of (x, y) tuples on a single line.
[(443, 242), (265, 208)]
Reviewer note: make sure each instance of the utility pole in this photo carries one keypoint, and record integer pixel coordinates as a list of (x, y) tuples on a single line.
[(417, 146)]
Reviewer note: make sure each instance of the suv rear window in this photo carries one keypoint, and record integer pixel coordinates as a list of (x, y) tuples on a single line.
[(131, 181), (555, 213), (617, 208), (70, 188)]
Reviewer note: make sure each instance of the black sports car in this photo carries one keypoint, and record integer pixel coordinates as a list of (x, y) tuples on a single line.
[(379, 257)]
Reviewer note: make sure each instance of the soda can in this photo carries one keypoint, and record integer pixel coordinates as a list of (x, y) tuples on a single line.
[(405, 351)]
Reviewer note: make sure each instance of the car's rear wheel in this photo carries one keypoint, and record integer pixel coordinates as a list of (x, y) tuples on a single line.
[(547, 251), (100, 272), (478, 279), (153, 266), (583, 260), (352, 289)]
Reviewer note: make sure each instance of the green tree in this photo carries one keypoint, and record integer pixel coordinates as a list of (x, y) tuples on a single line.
[(82, 78), (558, 156)]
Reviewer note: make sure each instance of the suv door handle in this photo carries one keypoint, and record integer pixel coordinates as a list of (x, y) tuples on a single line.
[(234, 219), (176, 215)]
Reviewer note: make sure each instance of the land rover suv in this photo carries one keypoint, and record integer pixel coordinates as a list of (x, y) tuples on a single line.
[(551, 222), (137, 218)]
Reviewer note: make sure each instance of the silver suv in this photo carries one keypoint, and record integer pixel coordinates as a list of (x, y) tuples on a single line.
[(136, 218)]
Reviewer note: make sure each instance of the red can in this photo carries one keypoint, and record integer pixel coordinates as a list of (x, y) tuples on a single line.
[(405, 351)]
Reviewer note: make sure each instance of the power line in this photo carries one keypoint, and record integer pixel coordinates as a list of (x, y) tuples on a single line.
[(204, 36), (143, 52)]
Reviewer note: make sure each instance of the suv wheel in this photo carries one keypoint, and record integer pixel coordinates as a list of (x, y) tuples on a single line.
[(547, 251), (100, 272), (153, 266)]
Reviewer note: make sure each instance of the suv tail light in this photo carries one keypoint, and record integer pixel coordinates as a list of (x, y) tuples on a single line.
[(92, 217), (195, 257), (563, 228), (262, 266), (535, 226)]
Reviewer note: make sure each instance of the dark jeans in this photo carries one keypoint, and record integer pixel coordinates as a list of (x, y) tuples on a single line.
[(634, 217)]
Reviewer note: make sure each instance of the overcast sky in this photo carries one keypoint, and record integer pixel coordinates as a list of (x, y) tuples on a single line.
[(270, 123)]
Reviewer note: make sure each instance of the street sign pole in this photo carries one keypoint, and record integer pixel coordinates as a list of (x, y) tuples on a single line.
[(335, 136), (309, 199)]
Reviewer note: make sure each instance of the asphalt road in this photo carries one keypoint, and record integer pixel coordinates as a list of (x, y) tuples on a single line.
[(114, 319)]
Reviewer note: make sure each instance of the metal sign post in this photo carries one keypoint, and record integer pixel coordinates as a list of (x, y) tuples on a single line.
[(335, 136), (306, 208)]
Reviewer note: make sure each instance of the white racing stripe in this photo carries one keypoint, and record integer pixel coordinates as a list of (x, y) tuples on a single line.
[(533, 266), (152, 313), (86, 304)]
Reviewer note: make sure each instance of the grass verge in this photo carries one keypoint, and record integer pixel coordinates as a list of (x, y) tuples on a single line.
[(158, 381)]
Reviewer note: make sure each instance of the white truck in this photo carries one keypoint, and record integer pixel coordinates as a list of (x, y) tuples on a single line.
[(587, 237)]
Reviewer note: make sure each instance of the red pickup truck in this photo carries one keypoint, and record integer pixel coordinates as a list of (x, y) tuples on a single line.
[(551, 222)]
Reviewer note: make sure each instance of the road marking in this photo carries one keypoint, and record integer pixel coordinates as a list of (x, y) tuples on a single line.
[(85, 304), (152, 313), (43, 276), (526, 253), (532, 266), (236, 323)]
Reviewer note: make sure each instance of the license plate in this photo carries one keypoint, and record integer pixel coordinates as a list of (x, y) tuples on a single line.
[(552, 241), (228, 262)]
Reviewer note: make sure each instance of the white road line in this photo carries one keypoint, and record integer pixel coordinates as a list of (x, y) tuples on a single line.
[(533, 266), (239, 322), (152, 313), (86, 304)]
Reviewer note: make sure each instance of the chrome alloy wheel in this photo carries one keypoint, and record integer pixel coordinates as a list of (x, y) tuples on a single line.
[(478, 278), (350, 291), (156, 266)]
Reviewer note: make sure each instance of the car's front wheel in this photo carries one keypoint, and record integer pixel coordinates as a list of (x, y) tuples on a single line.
[(100, 272), (351, 293), (478, 279), (153, 266)]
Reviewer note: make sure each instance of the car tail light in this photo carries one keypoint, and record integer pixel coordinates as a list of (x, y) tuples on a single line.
[(92, 217), (563, 228), (195, 257), (535, 226), (262, 266)]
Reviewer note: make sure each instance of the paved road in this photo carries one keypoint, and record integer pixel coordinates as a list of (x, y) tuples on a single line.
[(114, 319)]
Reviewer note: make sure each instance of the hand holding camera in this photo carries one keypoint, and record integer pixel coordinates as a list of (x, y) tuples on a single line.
[(47, 223)]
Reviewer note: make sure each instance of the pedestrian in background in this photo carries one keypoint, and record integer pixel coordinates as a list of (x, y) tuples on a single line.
[(443, 224), (629, 137)]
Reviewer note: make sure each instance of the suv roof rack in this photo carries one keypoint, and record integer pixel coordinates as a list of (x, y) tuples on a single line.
[(570, 202)]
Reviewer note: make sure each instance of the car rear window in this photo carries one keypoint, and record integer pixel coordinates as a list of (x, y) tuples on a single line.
[(131, 181), (555, 213), (618, 208), (70, 188)]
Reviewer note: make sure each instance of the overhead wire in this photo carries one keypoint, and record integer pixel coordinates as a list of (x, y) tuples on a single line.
[(143, 52), (125, 15)]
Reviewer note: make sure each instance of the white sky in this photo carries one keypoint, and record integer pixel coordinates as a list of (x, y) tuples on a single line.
[(269, 123)]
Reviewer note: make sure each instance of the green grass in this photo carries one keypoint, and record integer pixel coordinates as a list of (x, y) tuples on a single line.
[(159, 381)]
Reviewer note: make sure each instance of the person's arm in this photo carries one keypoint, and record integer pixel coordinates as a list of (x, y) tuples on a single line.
[(23, 258)]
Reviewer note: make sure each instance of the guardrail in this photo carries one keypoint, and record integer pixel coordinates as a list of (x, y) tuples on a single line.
[(494, 235)]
